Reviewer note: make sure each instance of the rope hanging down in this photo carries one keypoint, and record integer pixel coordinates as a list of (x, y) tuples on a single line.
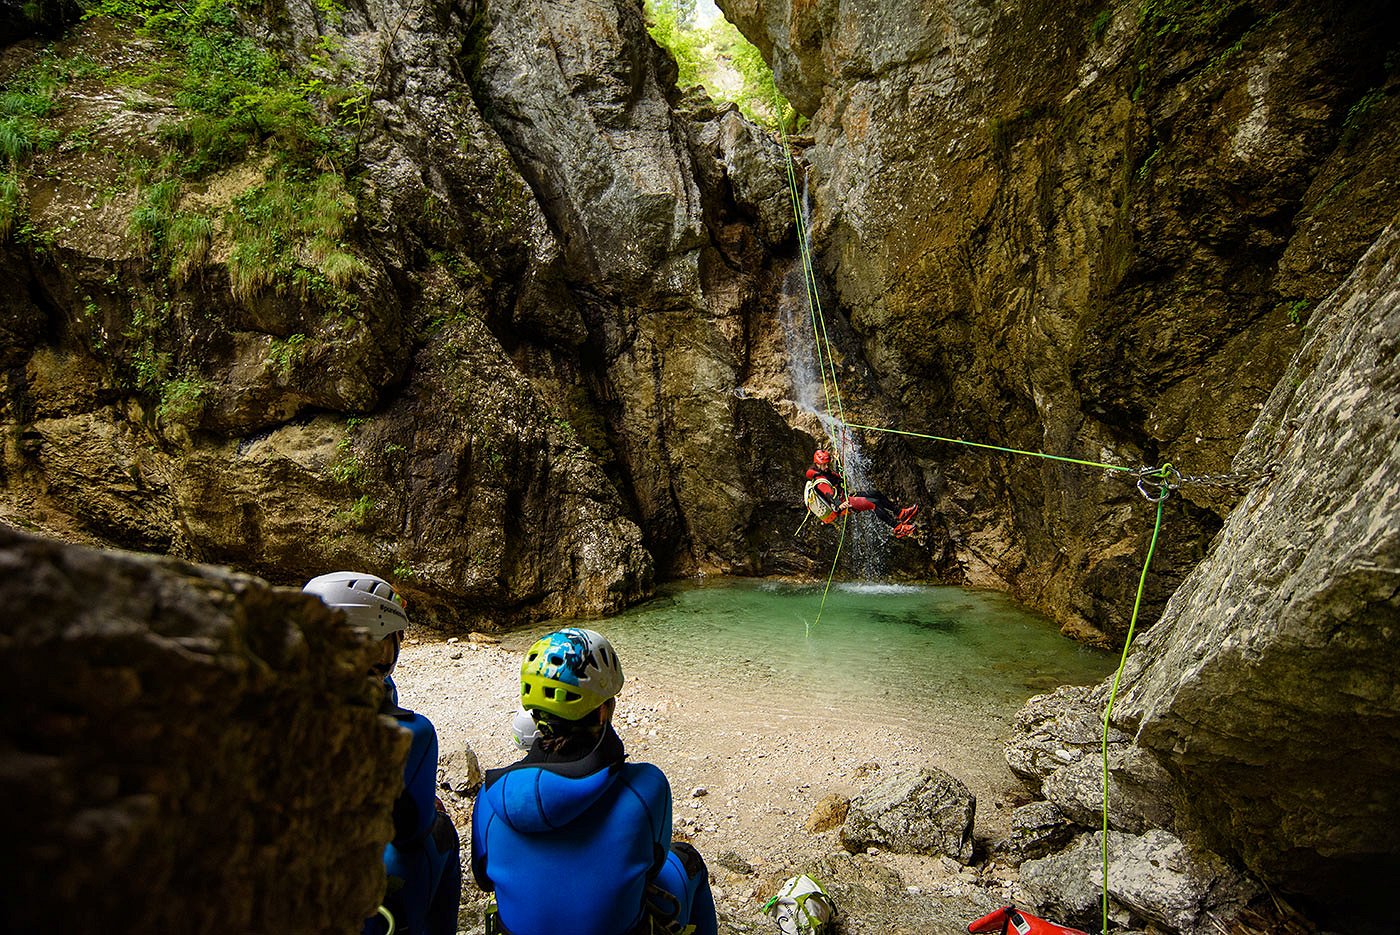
[(826, 361), (1164, 480)]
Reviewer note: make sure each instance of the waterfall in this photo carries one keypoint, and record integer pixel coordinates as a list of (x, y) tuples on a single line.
[(867, 539)]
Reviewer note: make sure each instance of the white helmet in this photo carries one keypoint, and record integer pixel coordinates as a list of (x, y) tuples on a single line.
[(370, 602), (524, 729)]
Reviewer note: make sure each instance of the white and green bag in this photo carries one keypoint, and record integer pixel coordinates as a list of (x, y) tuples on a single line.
[(801, 907)]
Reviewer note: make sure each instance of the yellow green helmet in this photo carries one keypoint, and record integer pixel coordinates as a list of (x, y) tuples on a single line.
[(569, 673)]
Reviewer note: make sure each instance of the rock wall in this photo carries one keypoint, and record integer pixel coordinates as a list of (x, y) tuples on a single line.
[(1258, 718), (523, 404), (1292, 621), (555, 368), (1096, 233), (185, 749)]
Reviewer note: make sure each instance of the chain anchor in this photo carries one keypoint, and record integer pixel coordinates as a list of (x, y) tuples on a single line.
[(1156, 484)]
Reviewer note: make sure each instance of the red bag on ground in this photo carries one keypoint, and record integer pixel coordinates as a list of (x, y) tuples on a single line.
[(1008, 920)]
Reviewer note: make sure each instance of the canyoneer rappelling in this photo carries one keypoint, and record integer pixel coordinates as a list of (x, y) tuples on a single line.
[(827, 498)]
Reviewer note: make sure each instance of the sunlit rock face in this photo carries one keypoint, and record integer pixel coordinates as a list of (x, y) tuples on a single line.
[(186, 749), (524, 403)]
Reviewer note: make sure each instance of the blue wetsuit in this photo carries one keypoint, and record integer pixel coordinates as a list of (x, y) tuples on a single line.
[(423, 860), (569, 845)]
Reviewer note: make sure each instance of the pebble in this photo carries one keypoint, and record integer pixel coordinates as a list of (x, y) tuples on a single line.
[(698, 791)]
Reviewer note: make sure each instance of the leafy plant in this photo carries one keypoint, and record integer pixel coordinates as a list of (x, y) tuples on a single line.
[(181, 400), (713, 57), (1294, 311), (357, 512), (1357, 114), (11, 203), (285, 353)]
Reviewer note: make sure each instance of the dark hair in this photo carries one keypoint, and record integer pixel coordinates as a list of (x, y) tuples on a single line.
[(561, 735)]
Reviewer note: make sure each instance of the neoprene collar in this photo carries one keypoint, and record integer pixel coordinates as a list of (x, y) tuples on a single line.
[(607, 753)]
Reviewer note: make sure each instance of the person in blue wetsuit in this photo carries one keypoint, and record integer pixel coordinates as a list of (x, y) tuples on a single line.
[(572, 839), (423, 861)]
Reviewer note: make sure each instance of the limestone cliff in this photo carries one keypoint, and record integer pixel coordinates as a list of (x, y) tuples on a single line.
[(1268, 689), (470, 294), (1097, 232)]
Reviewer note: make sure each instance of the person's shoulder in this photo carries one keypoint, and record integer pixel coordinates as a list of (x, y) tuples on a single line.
[(646, 777), (813, 473), (416, 722)]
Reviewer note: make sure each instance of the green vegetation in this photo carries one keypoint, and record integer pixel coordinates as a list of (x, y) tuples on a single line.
[(287, 236), (11, 203), (1358, 114), (720, 60), (1098, 28), (26, 101), (239, 102), (182, 400), (1295, 310), (284, 354), (1144, 169), (357, 512), (1187, 18)]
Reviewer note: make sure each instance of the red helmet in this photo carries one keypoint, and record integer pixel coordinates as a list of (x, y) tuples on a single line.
[(821, 457)]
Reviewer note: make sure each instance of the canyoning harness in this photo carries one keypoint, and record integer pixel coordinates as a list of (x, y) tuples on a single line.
[(1008, 920)]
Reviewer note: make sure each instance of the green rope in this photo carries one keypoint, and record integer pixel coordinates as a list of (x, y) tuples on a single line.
[(831, 575), (1014, 451), (826, 360), (1164, 476)]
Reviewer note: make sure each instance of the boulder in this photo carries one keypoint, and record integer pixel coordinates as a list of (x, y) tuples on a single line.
[(1139, 791), (922, 811), (830, 813), (1150, 877), (1037, 830), (459, 770), (1058, 729), (185, 749), (1068, 886), (1191, 892)]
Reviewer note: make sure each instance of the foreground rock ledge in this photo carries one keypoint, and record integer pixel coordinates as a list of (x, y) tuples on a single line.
[(186, 749)]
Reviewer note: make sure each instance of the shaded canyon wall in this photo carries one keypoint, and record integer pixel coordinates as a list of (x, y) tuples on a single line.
[(1099, 233), (185, 749)]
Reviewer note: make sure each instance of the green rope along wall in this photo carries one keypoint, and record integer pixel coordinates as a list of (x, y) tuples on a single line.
[(1118, 675), (1014, 451)]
